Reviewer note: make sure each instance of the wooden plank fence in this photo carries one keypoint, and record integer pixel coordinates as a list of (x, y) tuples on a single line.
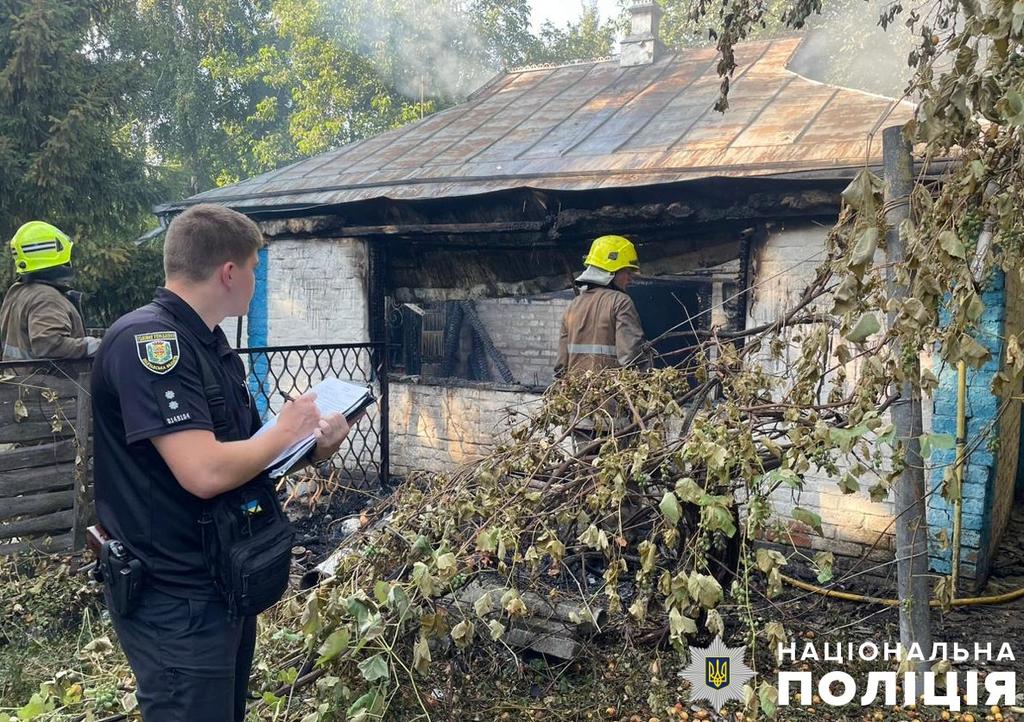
[(45, 474)]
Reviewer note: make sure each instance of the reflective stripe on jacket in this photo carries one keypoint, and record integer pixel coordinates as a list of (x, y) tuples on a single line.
[(37, 321), (600, 329)]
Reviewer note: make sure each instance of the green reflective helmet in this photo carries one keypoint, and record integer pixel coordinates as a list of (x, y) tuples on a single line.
[(38, 245)]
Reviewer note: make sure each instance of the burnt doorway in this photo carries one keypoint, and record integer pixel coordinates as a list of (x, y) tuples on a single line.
[(667, 303)]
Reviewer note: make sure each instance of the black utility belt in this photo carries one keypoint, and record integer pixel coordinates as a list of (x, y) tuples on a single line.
[(247, 547)]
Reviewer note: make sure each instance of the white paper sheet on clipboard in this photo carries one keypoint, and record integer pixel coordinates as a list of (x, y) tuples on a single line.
[(332, 396)]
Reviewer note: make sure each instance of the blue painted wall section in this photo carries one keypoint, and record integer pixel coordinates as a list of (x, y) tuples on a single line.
[(258, 332), (980, 473)]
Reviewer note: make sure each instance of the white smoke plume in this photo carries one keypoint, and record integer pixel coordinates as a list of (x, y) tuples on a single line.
[(423, 47), (845, 45)]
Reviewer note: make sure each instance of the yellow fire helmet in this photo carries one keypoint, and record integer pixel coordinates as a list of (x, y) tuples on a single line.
[(38, 245), (612, 253)]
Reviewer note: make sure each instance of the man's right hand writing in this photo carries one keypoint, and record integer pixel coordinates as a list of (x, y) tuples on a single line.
[(300, 417), (206, 467)]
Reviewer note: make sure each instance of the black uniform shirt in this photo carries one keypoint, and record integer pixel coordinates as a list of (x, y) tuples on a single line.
[(146, 382)]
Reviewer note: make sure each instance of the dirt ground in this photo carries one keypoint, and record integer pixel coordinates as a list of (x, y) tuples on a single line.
[(321, 520), (44, 610)]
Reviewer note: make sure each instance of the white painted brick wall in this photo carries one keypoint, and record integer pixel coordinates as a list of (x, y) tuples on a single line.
[(317, 291), (436, 428), (783, 267)]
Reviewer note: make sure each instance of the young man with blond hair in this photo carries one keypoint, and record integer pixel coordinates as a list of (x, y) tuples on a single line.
[(174, 453)]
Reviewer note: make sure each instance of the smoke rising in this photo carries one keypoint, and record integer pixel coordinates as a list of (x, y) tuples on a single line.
[(846, 46), (421, 47)]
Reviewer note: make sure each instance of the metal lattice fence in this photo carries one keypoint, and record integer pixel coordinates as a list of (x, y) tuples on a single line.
[(45, 422), (277, 370)]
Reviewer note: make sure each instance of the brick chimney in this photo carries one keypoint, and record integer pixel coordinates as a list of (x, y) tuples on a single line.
[(642, 46)]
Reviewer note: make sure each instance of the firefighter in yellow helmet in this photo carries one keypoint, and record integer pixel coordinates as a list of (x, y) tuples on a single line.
[(40, 317), (601, 328)]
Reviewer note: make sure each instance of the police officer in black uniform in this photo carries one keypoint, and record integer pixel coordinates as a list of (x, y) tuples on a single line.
[(173, 436)]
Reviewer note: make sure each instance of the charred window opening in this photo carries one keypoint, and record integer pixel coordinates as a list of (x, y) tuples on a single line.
[(447, 339), (674, 307), (514, 339)]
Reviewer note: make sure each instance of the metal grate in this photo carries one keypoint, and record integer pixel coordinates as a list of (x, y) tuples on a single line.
[(291, 370), (432, 340), (277, 370)]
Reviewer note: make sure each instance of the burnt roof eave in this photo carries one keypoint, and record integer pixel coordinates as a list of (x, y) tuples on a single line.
[(824, 174), (826, 171)]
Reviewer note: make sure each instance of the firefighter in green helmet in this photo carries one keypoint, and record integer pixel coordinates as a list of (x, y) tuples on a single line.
[(40, 317)]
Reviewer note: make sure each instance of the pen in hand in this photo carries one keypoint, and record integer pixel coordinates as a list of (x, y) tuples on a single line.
[(288, 397)]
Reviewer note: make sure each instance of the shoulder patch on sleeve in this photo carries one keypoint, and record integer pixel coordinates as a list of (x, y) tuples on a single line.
[(158, 351)]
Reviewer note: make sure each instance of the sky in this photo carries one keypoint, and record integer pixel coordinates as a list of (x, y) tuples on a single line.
[(560, 12)]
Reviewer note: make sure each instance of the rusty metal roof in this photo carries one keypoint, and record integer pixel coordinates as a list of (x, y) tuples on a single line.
[(596, 125)]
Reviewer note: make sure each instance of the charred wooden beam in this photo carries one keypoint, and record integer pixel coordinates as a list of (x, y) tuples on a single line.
[(326, 226), (668, 214), (427, 274), (480, 331), (516, 219), (443, 229)]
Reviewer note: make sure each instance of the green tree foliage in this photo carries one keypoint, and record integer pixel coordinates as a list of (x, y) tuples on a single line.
[(117, 276), (188, 113), (66, 138), (586, 39), (330, 72), (688, 24), (71, 150), (504, 30), (112, 106), (330, 77)]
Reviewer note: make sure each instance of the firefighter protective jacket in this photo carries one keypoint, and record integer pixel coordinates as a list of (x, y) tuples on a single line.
[(37, 321), (600, 329)]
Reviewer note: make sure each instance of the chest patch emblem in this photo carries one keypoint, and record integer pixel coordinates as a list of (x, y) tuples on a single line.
[(158, 351)]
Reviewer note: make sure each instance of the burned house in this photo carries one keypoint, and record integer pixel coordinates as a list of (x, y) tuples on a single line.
[(456, 238)]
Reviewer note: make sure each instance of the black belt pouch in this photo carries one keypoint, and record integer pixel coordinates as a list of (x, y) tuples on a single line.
[(247, 545)]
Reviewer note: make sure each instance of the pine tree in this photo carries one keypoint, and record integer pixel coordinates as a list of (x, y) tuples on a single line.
[(70, 152)]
